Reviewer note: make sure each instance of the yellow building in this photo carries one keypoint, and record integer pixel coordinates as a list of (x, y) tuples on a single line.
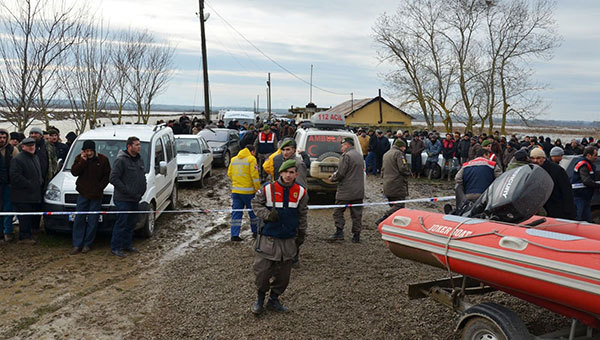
[(372, 112)]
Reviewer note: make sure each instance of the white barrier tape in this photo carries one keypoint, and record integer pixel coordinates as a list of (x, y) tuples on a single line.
[(581, 185), (206, 211)]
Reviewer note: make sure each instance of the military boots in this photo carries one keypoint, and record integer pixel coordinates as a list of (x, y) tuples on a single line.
[(258, 305), (274, 304), (337, 236)]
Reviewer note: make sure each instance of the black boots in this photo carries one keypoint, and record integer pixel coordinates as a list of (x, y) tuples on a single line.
[(257, 306), (274, 304), (337, 236), (356, 238)]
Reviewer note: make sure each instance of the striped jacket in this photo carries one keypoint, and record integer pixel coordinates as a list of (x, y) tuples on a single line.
[(243, 172)]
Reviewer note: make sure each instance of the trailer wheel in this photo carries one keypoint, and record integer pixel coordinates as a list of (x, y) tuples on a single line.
[(490, 321)]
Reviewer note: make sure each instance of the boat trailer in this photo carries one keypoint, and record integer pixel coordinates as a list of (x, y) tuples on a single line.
[(488, 321)]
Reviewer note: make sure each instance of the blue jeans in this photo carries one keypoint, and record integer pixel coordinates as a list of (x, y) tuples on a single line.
[(241, 201), (371, 161), (84, 226), (584, 209), (122, 235), (6, 222)]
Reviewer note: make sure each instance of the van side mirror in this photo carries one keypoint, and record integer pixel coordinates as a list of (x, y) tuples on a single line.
[(60, 163), (162, 168)]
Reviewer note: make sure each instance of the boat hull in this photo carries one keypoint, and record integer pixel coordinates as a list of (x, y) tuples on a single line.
[(558, 271)]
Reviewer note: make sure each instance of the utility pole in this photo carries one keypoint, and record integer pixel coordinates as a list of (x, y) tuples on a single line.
[(204, 60), (269, 96), (311, 69)]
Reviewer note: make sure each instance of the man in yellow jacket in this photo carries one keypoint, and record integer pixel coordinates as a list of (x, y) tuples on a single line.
[(245, 179)]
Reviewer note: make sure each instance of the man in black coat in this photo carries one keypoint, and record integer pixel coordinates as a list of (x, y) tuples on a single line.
[(26, 182), (560, 204)]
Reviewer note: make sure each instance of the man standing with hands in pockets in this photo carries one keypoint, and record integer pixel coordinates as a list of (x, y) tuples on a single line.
[(92, 171)]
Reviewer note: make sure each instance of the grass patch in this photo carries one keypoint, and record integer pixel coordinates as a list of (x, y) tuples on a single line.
[(53, 241), (24, 323)]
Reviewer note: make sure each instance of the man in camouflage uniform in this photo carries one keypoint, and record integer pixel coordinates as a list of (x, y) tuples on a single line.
[(350, 177), (395, 172)]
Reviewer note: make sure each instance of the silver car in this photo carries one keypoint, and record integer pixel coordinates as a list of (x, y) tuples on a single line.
[(194, 159)]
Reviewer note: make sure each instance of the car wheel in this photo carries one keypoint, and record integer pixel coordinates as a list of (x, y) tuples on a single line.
[(226, 159), (173, 198), (200, 183), (150, 222)]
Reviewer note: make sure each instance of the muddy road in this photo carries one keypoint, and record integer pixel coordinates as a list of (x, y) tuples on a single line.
[(190, 282)]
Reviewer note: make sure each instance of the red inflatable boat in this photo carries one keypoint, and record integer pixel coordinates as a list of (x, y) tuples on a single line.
[(554, 264)]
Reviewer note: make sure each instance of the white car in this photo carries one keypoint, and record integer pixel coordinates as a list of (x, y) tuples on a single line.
[(194, 159), (159, 155)]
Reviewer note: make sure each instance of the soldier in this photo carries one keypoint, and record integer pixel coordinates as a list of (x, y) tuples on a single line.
[(475, 177), (351, 190), (584, 174), (282, 206), (265, 145), (395, 173), (288, 151)]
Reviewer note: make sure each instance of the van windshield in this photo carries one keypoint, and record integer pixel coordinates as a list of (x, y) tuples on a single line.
[(110, 149), (317, 145)]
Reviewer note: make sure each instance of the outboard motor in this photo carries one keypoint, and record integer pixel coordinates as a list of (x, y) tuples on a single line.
[(515, 196)]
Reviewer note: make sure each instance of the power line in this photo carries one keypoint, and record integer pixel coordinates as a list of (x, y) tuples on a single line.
[(271, 59)]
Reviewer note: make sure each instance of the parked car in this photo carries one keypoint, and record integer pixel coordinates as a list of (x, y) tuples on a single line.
[(159, 155), (194, 159), (321, 140), (224, 143)]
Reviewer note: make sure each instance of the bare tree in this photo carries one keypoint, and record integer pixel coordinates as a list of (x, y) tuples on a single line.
[(402, 48), (37, 33), (83, 79), (150, 70), (116, 81)]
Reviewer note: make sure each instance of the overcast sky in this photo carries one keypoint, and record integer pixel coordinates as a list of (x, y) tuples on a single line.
[(334, 36)]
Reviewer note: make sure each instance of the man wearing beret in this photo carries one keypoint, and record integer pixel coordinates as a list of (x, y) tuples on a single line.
[(288, 151), (350, 190), (26, 182), (395, 173), (282, 207), (93, 172)]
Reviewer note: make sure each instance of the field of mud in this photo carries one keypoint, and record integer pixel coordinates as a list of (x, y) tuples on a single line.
[(190, 282)]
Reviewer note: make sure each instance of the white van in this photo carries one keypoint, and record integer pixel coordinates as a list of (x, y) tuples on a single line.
[(241, 116), (160, 159)]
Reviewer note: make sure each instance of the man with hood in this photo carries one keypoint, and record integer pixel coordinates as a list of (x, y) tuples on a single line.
[(92, 171), (433, 147), (128, 176), (282, 206), (7, 153), (245, 181)]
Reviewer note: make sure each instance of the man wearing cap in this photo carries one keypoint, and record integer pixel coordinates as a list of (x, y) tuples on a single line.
[(487, 145), (584, 177), (560, 203), (26, 183), (92, 171), (15, 139), (282, 207), (245, 181), (556, 154), (46, 154), (350, 190), (474, 177), (61, 148), (395, 173), (7, 153), (265, 145), (288, 151), (128, 176)]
